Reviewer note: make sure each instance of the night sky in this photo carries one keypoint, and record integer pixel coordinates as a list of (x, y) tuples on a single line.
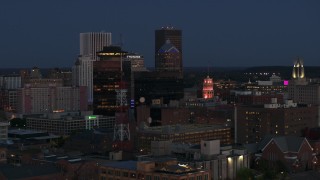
[(45, 33)]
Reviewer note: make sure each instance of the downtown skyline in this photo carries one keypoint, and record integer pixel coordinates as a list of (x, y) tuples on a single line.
[(214, 33)]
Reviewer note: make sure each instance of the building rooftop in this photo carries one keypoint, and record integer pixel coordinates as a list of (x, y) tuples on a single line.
[(27, 171), (111, 51), (182, 128), (285, 143), (30, 134), (23, 131), (176, 169), (130, 165)]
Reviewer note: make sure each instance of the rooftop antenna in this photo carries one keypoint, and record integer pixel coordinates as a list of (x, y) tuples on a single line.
[(208, 68), (121, 40)]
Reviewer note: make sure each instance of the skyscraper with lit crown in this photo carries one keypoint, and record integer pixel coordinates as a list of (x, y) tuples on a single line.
[(298, 69), (168, 49)]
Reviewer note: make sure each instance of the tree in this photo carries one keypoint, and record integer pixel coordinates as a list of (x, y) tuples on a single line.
[(3, 115), (59, 142), (245, 174)]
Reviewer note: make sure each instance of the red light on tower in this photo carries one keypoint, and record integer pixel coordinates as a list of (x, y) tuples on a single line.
[(207, 90)]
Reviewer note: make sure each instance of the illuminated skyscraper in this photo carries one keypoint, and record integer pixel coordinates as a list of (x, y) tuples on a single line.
[(168, 58), (93, 42), (168, 46), (107, 75), (298, 69)]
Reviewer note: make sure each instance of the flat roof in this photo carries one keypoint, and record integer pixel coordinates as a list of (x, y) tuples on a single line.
[(130, 165), (51, 136), (182, 128), (24, 131), (27, 171)]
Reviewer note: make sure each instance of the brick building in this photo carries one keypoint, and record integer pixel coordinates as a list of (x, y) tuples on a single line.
[(192, 133), (254, 122), (37, 100), (295, 152)]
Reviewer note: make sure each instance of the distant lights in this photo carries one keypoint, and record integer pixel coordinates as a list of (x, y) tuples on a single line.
[(183, 165), (167, 27)]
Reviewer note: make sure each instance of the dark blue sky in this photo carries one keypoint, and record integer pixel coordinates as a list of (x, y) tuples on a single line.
[(219, 33)]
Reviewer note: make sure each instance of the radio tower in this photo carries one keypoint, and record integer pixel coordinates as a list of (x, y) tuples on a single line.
[(121, 136)]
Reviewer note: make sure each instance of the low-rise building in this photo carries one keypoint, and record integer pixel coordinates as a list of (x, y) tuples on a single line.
[(150, 170), (294, 152), (253, 123), (223, 162), (24, 139), (29, 172), (66, 123), (190, 133)]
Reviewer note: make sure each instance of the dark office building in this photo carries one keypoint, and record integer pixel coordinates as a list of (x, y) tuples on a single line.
[(168, 59), (107, 78), (168, 46), (156, 85)]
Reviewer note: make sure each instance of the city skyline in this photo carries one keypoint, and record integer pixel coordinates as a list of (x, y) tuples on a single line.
[(218, 34)]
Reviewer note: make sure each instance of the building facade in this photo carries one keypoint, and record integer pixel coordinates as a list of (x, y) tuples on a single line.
[(82, 74), (147, 170), (67, 123), (4, 131), (294, 152), (158, 85), (168, 49), (38, 100), (108, 73), (223, 162), (10, 82), (136, 61), (168, 33), (253, 123), (192, 133), (168, 58), (93, 42)]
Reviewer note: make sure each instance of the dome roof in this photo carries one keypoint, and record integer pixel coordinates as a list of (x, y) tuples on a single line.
[(168, 48)]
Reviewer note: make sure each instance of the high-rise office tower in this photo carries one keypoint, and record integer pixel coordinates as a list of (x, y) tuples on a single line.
[(168, 46), (168, 59), (108, 73), (82, 74), (93, 42)]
